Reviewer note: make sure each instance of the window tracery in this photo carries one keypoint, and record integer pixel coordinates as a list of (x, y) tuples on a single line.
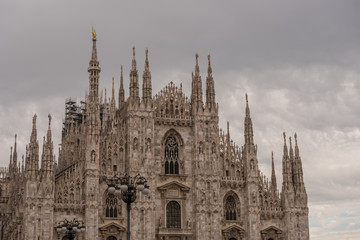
[(230, 208), (173, 215), (172, 103), (111, 206), (171, 156)]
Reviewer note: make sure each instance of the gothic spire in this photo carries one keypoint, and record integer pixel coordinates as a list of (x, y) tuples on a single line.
[(228, 142), (292, 163), (197, 69), (105, 111), (147, 94), (47, 155), (121, 90), (298, 164), (92, 100), (273, 175), (113, 102), (15, 154), (248, 134), (33, 151), (11, 159), (133, 64), (297, 153), (146, 60), (209, 67), (33, 136), (196, 95), (285, 160), (291, 153), (48, 135), (247, 112), (210, 88), (285, 150), (228, 132), (287, 167), (134, 81), (94, 71), (94, 50)]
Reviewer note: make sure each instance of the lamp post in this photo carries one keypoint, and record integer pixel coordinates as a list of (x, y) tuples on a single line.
[(70, 228), (127, 191)]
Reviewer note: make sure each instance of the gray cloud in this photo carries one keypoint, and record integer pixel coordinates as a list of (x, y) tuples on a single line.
[(297, 61)]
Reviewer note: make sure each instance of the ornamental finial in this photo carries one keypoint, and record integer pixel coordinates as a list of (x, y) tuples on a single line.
[(94, 34)]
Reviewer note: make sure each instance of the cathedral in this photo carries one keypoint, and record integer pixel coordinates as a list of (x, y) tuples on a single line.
[(202, 185)]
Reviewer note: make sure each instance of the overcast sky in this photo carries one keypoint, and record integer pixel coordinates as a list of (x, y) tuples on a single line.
[(297, 60)]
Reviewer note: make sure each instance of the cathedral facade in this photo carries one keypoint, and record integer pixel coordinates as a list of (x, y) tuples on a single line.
[(203, 186)]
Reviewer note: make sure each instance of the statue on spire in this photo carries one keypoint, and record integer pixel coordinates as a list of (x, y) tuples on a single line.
[(94, 34), (49, 116)]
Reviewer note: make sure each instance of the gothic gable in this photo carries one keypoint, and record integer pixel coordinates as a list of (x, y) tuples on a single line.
[(111, 228), (271, 233), (174, 189), (172, 103), (112, 225), (233, 231)]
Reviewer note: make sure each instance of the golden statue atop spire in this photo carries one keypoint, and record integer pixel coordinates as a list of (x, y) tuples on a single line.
[(94, 34)]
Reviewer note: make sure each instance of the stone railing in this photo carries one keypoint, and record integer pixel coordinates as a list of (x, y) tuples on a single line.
[(271, 213), (232, 182), (74, 205), (175, 231)]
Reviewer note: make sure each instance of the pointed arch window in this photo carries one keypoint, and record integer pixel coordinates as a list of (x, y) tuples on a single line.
[(173, 215), (171, 156), (111, 206), (230, 208)]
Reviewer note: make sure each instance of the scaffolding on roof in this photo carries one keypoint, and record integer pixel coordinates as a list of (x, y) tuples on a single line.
[(74, 112)]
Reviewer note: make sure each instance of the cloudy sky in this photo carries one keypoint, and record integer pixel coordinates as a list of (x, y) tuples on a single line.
[(298, 61)]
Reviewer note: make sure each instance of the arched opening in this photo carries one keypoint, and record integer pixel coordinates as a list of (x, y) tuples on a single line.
[(173, 215), (171, 155), (111, 206), (230, 208)]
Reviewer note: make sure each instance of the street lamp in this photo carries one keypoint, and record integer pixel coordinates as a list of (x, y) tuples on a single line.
[(127, 191), (70, 228)]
